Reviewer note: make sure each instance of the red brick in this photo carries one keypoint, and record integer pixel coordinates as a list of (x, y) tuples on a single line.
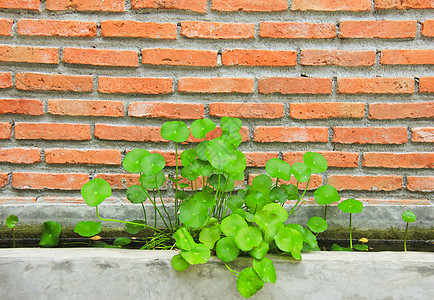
[(20, 155), (20, 4), (215, 85), (56, 28), (420, 184), (212, 30), (101, 57), (398, 160), (128, 133), (134, 29), (313, 57), (86, 5), (392, 111), (52, 131), (407, 57), (259, 159), (403, 4), (378, 29), (365, 183), (370, 135), (248, 5), (75, 156), (53, 82), (426, 85), (336, 159), (86, 108), (327, 110), (166, 110), (315, 181), (246, 110), (268, 134), (264, 58), (286, 85), (6, 26), (331, 5), (169, 157), (40, 181), (376, 85), (292, 30), (218, 132), (3, 179), (5, 130), (25, 54), (179, 57), (428, 28), (5, 80), (193, 5), (17, 200), (120, 181), (199, 182), (422, 134), (22, 106), (133, 85)]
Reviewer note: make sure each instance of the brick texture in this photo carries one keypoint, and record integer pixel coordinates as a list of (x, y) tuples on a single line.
[(128, 133), (179, 57), (86, 5), (420, 184), (285, 85), (86, 108), (22, 106), (75, 156), (326, 110), (376, 85), (268, 134), (53, 82), (5, 130), (120, 181), (422, 134), (398, 160), (20, 4), (403, 4), (166, 110), (215, 85), (392, 111), (130, 85), (3, 179), (428, 28), (313, 57), (101, 57), (6, 26), (52, 131), (5, 80), (315, 181), (365, 183), (246, 110), (370, 135), (50, 181), (193, 5), (337, 159), (407, 57), (213, 30), (426, 84), (247, 5), (378, 29), (134, 29), (331, 5), (292, 30), (56, 28), (264, 58), (20, 155), (259, 159), (29, 54)]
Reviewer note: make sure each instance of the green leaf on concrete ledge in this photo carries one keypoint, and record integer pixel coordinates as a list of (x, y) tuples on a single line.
[(88, 229), (50, 234)]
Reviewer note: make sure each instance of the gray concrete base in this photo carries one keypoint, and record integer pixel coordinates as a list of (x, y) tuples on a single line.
[(131, 274)]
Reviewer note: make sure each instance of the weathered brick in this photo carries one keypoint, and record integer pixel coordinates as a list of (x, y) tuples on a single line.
[(6, 26), (193, 5), (392, 111), (179, 57), (428, 28), (378, 29), (426, 85), (50, 181), (166, 110), (407, 57), (56, 28), (20, 155), (246, 110), (422, 134), (133, 85), (86, 5), (420, 184), (264, 58), (5, 80), (370, 135), (400, 85), (76, 156), (331, 5), (25, 54), (3, 179), (259, 159), (337, 159), (86, 108), (20, 4), (398, 160), (52, 131), (17, 200), (314, 57), (365, 183), (403, 4), (292, 30), (244, 131), (5, 130), (268, 134), (22, 106), (53, 82), (128, 133), (286, 85), (120, 181), (315, 181), (248, 5), (134, 29), (101, 57), (327, 110), (215, 85), (212, 30)]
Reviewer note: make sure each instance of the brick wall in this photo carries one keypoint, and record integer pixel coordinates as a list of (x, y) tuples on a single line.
[(84, 81)]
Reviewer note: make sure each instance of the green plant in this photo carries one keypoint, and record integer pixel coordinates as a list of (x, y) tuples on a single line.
[(50, 234), (11, 221), (408, 217)]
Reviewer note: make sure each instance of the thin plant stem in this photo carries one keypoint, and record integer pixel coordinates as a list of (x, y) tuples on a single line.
[(351, 235), (159, 212), (13, 236), (176, 186), (233, 272), (164, 207), (405, 238), (300, 197), (146, 219), (325, 212)]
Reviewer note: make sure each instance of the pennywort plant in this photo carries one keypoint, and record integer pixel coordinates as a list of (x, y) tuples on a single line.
[(407, 217), (10, 222)]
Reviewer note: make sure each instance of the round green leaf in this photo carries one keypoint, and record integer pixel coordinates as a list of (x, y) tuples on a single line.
[(260, 251), (96, 191), (50, 234), (247, 238), (189, 173), (220, 153), (202, 168), (232, 224), (175, 131), (326, 194), (184, 240), (137, 194), (234, 202), (239, 211), (133, 159), (263, 180), (11, 221), (317, 224), (289, 240), (188, 156), (315, 161), (88, 229), (179, 264), (277, 209), (205, 198), (234, 138), (209, 236), (278, 194), (153, 163), (250, 217), (278, 168), (291, 190), (226, 249), (249, 282), (135, 229), (361, 247), (201, 150), (265, 270), (122, 241), (351, 206), (150, 182), (239, 165), (230, 124), (310, 239), (198, 255), (201, 127), (214, 181), (409, 217), (193, 213), (301, 172), (269, 222)]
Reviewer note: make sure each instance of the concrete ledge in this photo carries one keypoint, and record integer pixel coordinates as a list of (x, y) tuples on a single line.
[(123, 274)]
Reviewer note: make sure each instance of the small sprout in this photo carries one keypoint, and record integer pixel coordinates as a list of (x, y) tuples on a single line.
[(50, 234), (11, 221), (408, 217), (351, 206)]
